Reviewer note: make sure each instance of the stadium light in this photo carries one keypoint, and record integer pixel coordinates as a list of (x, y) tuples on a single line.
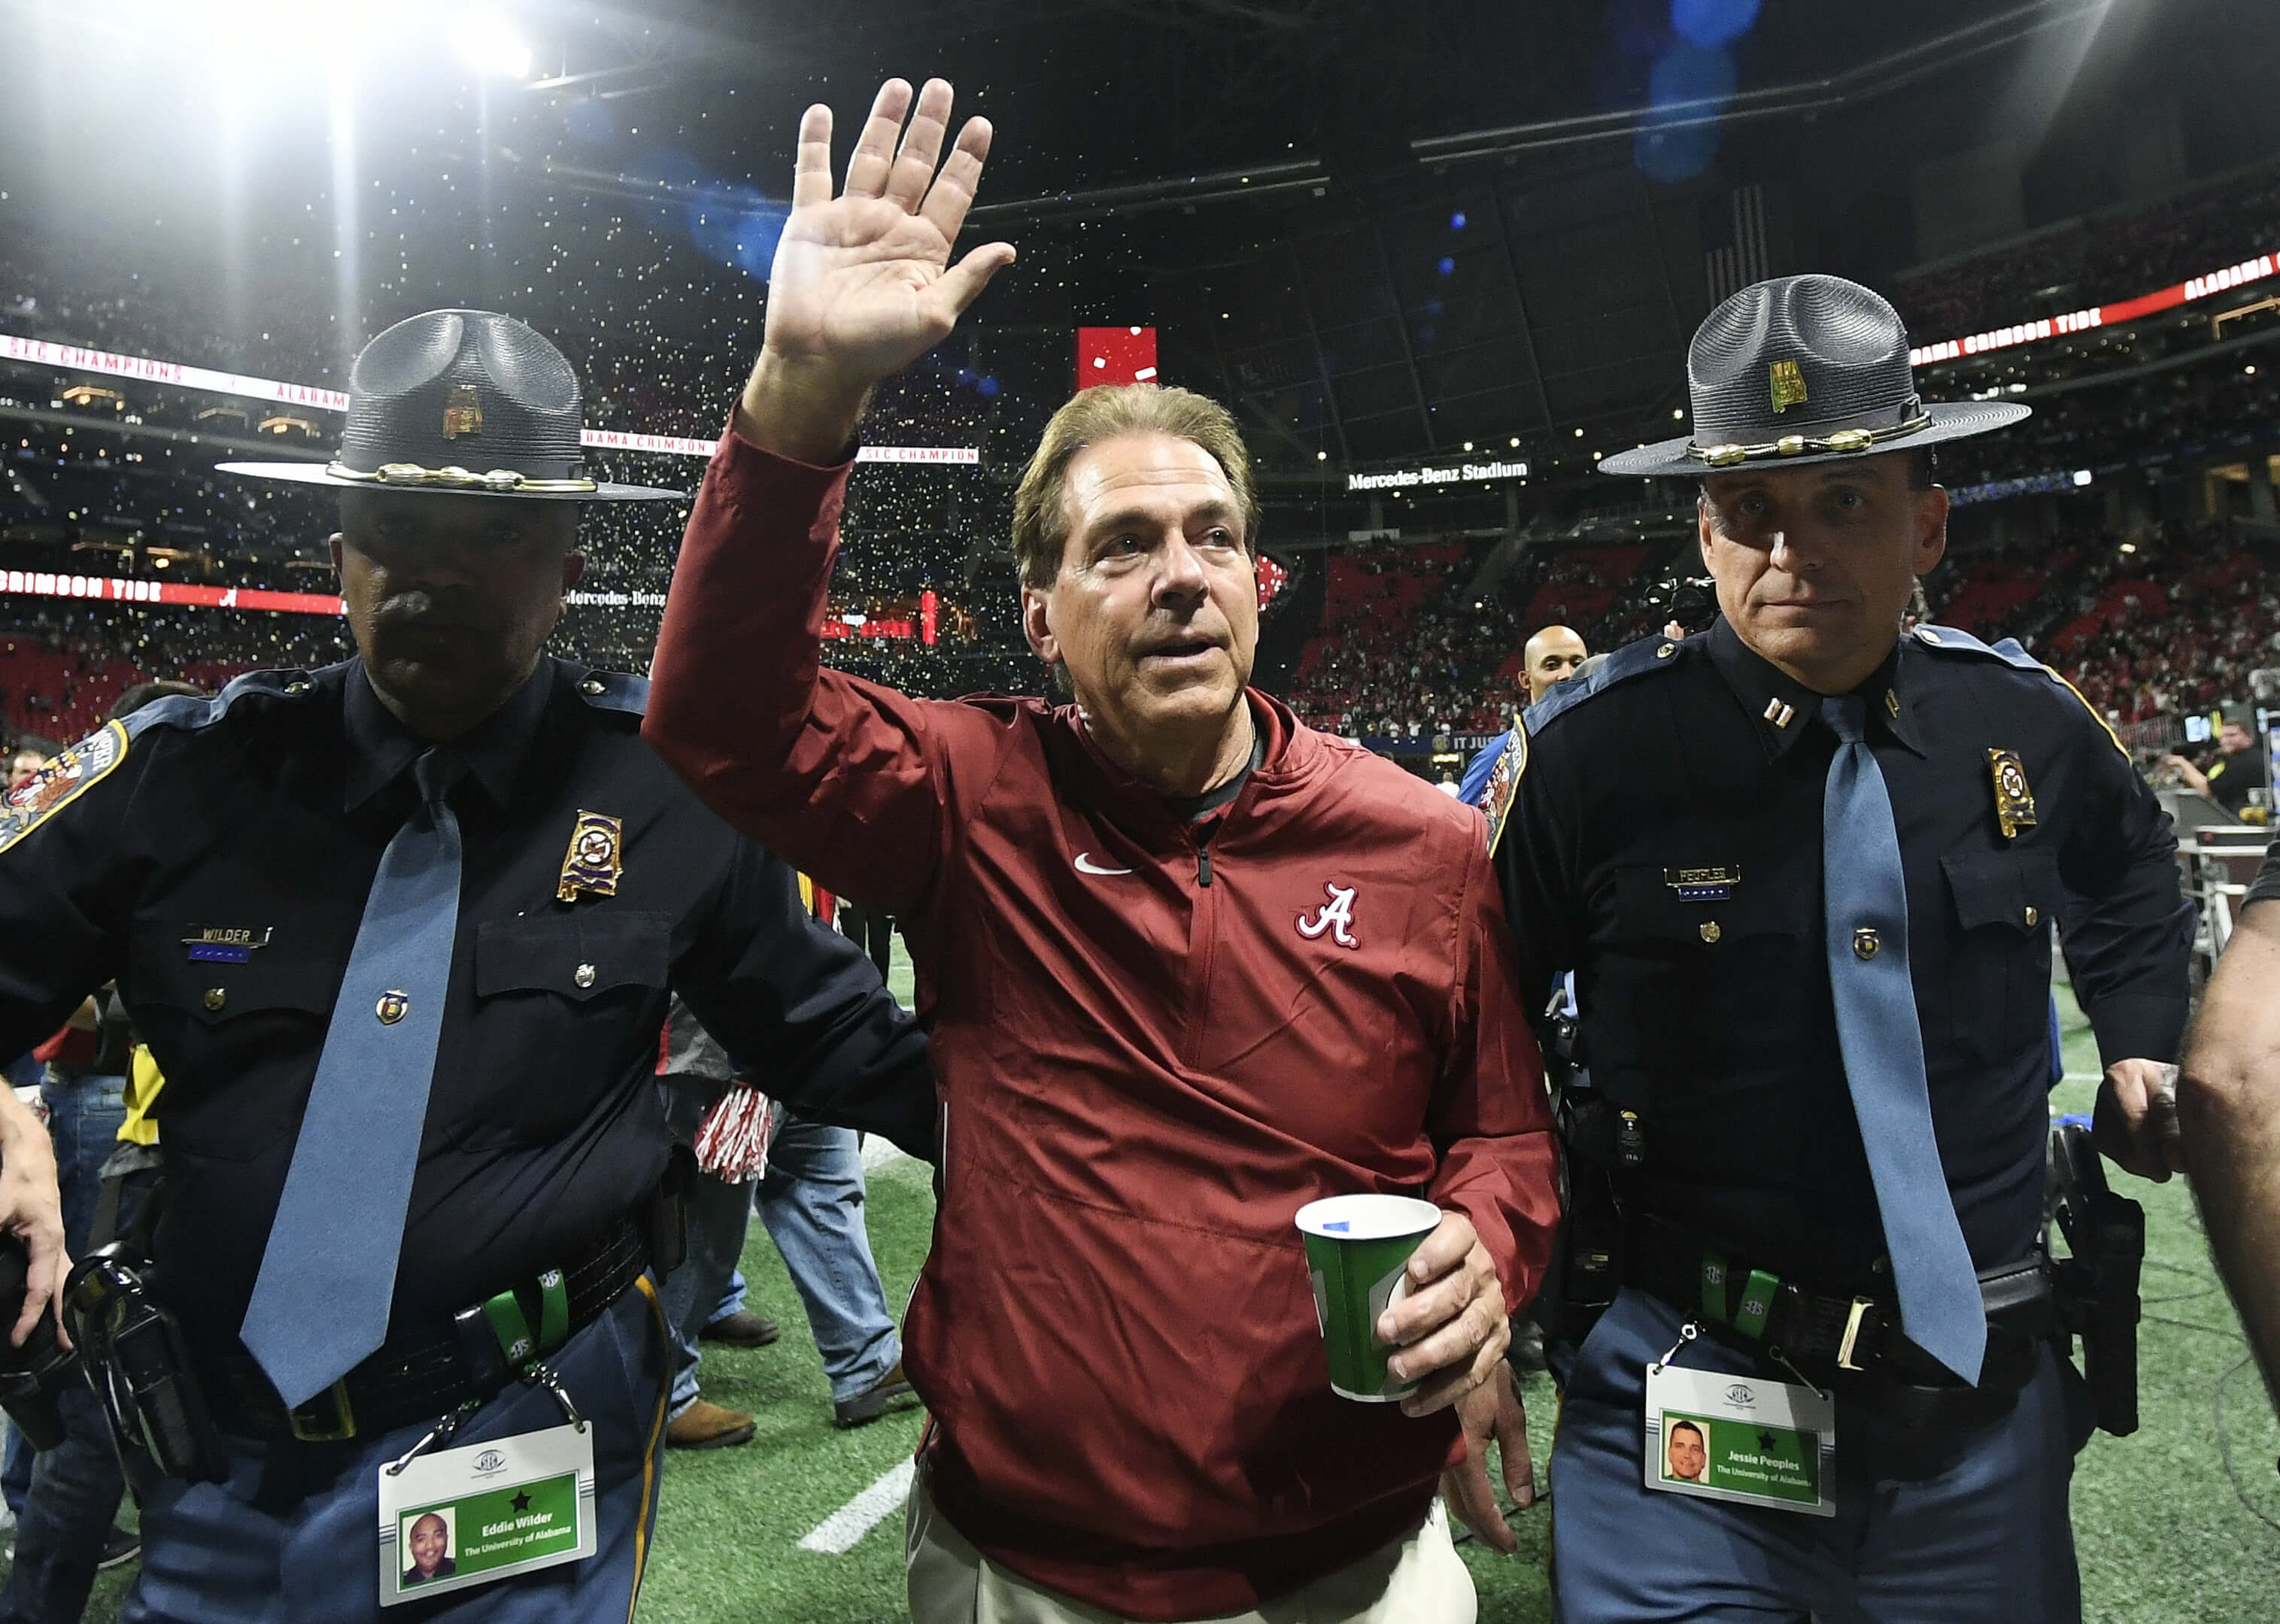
[(2081, 476), (487, 43), (273, 35)]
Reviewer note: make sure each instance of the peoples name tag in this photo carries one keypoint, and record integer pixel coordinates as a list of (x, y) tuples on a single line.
[(1736, 1438), (464, 1517)]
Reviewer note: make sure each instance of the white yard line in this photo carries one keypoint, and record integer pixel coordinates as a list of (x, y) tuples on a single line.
[(839, 1533)]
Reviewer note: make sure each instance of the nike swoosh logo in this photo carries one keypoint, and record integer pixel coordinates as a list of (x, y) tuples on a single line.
[(1086, 865)]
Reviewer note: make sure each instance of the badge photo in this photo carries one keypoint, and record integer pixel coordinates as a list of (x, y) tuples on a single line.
[(455, 1518), (1739, 1439)]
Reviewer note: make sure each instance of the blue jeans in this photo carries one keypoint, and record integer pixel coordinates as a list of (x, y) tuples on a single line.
[(83, 1120), (717, 1216), (812, 1203), (71, 1493)]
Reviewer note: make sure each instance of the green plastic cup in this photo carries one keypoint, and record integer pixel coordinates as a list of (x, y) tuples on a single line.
[(1357, 1249)]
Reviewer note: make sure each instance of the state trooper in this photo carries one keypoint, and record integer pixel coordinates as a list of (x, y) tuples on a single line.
[(401, 933), (1805, 870)]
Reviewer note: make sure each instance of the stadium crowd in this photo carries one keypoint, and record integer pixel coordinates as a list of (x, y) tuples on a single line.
[(2095, 260)]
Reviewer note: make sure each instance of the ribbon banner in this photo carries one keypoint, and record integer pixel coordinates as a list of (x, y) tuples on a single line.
[(73, 357), (180, 594), (2099, 315)]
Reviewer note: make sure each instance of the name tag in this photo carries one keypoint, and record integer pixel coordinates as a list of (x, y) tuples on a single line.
[(460, 1518), (1736, 1438)]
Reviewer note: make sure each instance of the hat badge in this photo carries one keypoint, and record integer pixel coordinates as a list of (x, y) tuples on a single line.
[(1788, 382), (463, 411)]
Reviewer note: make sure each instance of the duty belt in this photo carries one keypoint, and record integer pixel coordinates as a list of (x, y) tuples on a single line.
[(425, 1371), (1846, 1341)]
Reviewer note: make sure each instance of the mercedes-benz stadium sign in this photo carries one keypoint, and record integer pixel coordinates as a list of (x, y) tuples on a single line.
[(1451, 473)]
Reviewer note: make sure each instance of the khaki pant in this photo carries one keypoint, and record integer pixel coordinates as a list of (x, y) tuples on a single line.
[(1420, 1580)]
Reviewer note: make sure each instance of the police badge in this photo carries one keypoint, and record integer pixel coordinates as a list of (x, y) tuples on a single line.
[(594, 859), (1786, 380), (2014, 802)]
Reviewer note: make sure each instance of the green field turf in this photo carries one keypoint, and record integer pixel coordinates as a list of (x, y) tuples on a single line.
[(2162, 1534)]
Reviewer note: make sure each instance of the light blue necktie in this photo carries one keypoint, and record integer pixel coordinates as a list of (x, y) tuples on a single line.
[(1866, 897), (327, 1277)]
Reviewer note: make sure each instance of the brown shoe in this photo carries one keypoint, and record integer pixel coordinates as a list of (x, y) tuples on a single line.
[(741, 1329), (891, 1391), (708, 1426)]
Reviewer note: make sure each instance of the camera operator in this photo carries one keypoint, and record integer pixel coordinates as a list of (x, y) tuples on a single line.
[(2238, 771)]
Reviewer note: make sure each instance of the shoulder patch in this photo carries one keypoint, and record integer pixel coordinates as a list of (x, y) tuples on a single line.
[(2007, 650), (1504, 783), (77, 770), (1656, 654), (63, 780), (615, 690), (1475, 777)]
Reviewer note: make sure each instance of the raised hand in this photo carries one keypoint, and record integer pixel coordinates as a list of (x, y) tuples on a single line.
[(863, 283)]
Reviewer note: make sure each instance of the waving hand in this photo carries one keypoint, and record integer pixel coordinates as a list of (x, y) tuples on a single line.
[(863, 283)]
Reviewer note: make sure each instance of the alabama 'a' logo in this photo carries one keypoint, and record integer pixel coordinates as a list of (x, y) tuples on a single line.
[(1336, 917)]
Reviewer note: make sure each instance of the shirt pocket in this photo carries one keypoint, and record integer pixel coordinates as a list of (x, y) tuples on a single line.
[(1998, 989), (236, 1043), (565, 1008), (1687, 991)]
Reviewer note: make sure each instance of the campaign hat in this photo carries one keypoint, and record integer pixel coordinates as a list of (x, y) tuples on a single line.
[(1800, 370), (461, 403)]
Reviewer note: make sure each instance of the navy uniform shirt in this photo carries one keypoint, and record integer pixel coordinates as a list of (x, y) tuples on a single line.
[(1665, 842), (264, 812)]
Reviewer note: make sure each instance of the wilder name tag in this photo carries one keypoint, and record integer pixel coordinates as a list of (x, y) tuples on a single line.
[(1736, 1438), (464, 1517)]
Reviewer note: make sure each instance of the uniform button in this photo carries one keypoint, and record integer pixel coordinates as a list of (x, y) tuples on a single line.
[(392, 1007), (2033, 917), (1865, 943), (593, 685), (1710, 931), (1667, 651), (584, 975), (300, 685), (216, 997)]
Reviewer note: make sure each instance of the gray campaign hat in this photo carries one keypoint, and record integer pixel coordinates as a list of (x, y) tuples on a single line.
[(461, 401), (1804, 369)]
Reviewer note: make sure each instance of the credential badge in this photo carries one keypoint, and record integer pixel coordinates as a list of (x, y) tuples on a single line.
[(2014, 802), (596, 858)]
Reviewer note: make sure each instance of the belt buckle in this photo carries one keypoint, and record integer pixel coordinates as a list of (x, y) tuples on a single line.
[(310, 1429), (1852, 1322)]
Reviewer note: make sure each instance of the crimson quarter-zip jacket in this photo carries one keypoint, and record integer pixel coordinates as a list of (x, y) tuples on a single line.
[(1149, 1054)]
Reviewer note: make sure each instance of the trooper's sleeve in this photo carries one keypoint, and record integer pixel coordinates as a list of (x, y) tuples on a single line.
[(1535, 859), (2128, 926), (69, 874), (802, 1011)]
